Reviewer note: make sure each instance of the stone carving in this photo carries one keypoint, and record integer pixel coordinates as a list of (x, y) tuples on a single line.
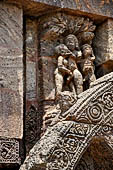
[(73, 45), (92, 112), (73, 125), (67, 71), (62, 65), (9, 151), (65, 100), (69, 54), (63, 144), (61, 40), (67, 66), (87, 65), (73, 145), (68, 41), (31, 126)]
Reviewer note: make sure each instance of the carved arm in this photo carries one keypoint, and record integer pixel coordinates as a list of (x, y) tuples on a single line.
[(61, 66)]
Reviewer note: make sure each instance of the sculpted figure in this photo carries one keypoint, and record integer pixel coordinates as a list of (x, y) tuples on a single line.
[(62, 66), (87, 65), (68, 55), (75, 80)]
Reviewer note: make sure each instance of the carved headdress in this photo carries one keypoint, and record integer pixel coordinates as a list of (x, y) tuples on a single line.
[(87, 46), (71, 36), (62, 50)]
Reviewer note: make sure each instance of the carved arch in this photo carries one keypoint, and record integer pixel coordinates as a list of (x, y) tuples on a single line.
[(64, 143)]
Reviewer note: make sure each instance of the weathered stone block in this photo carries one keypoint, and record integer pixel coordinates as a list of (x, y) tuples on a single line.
[(12, 78), (10, 27), (46, 84), (9, 151), (11, 95), (31, 80), (103, 43), (31, 39), (31, 59), (11, 71), (96, 8)]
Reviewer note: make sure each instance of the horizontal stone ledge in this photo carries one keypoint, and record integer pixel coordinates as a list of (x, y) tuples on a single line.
[(36, 7)]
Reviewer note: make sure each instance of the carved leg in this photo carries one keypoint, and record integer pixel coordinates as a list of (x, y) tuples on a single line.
[(72, 87), (58, 83), (78, 81), (92, 78)]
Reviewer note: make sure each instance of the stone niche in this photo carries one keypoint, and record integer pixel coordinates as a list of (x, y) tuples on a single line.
[(43, 35), (44, 108)]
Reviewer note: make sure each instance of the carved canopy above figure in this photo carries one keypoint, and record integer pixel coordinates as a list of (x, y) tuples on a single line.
[(66, 59), (55, 30)]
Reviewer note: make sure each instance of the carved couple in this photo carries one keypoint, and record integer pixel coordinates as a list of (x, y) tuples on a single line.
[(69, 55)]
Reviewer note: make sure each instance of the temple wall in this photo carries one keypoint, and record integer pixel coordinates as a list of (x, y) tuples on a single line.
[(11, 80), (29, 32)]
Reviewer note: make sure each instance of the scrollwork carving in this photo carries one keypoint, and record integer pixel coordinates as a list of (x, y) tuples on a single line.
[(9, 151), (107, 99), (59, 160), (94, 113), (31, 127)]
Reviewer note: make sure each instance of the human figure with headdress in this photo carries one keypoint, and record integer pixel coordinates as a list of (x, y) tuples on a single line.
[(75, 81), (87, 65), (62, 66), (67, 66)]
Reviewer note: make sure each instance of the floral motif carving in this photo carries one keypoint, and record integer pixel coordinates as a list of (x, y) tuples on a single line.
[(31, 127)]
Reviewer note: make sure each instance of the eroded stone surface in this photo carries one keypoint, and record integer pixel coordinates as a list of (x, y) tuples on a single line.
[(9, 151), (31, 58), (11, 71), (97, 157), (92, 110), (103, 43), (32, 127), (64, 143), (46, 90), (96, 8)]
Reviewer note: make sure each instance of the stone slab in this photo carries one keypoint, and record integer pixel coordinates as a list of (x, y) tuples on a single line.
[(31, 59), (46, 80), (11, 71), (31, 80), (103, 43), (96, 7)]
